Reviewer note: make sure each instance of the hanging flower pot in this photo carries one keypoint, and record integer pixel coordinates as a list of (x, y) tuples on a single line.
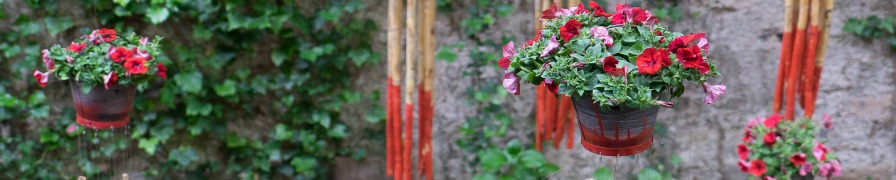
[(616, 66), (614, 131), (103, 108), (104, 68)]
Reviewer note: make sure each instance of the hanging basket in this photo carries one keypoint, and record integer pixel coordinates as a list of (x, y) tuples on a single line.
[(614, 132), (103, 108)]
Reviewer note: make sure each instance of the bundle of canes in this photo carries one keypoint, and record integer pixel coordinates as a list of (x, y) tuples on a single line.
[(802, 55), (425, 103), (554, 117)]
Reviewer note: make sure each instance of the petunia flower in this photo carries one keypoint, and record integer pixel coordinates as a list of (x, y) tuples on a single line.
[(769, 139), (533, 40), (668, 104), (508, 52), (551, 47), (143, 41), (651, 60), (609, 63), (598, 11), (753, 122), (135, 65), (658, 33), (511, 82), (71, 128), (757, 168), (742, 151), (570, 29), (650, 20), (102, 35), (682, 42), (161, 71), (578, 64), (110, 79), (550, 13), (551, 85), (798, 159), (601, 33), (579, 9), (826, 121), (712, 92), (748, 136), (48, 62), (820, 152), (829, 169), (41, 77), (76, 47), (744, 165), (119, 54), (691, 58), (805, 169), (772, 121), (141, 53), (69, 59), (704, 44), (835, 169), (627, 14)]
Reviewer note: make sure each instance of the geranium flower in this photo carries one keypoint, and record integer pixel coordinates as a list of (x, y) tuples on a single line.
[(598, 11), (769, 138), (625, 13), (829, 169), (102, 35), (798, 159), (742, 151), (76, 47), (141, 53), (71, 128), (551, 85), (48, 62), (570, 29), (119, 54), (551, 47), (712, 92), (820, 152), (683, 41), (826, 121), (744, 165), (609, 63), (550, 13), (757, 168), (805, 169), (534, 40), (143, 41), (511, 82), (508, 52), (772, 121), (41, 77), (162, 71), (691, 58), (110, 79), (135, 65), (652, 60), (601, 33)]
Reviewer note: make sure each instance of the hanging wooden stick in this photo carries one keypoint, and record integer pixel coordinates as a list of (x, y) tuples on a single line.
[(822, 46), (541, 94), (427, 60), (815, 8), (410, 56), (786, 47), (571, 128), (562, 115), (393, 99), (798, 52)]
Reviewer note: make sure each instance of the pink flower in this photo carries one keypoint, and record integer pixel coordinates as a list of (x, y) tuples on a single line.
[(141, 54), (578, 64), (75, 47), (829, 169), (820, 152), (712, 92), (742, 151), (508, 52), (71, 128), (744, 165), (752, 123), (601, 33), (69, 59), (551, 47), (48, 62), (704, 44), (806, 169), (667, 104), (41, 77), (143, 41), (772, 121), (826, 121), (798, 159), (110, 79), (511, 82), (625, 13)]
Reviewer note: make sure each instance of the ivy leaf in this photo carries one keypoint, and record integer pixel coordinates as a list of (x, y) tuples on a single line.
[(513, 147), (227, 88), (148, 145), (190, 82), (281, 132), (195, 107), (277, 57), (303, 164), (55, 25), (157, 14), (47, 136), (603, 173), (649, 174), (375, 115), (337, 131), (183, 156), (532, 159), (492, 160), (445, 54), (321, 118)]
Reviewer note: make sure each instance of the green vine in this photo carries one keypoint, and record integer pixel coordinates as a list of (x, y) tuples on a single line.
[(873, 27)]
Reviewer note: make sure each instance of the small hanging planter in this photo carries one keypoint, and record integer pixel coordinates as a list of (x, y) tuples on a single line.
[(614, 132), (103, 108)]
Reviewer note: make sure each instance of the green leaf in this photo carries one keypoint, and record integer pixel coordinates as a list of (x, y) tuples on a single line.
[(375, 115), (157, 14), (200, 32), (190, 82), (183, 156), (303, 164), (649, 174), (47, 136), (513, 147), (227, 88), (148, 145), (492, 160), (55, 25), (337, 131), (532, 159), (122, 2), (277, 57), (195, 107), (603, 173), (445, 54), (281, 132)]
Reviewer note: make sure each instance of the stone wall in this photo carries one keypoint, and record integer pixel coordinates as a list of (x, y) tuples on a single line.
[(858, 91)]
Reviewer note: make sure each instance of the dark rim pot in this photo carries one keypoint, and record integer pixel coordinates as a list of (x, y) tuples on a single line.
[(614, 132), (103, 108)]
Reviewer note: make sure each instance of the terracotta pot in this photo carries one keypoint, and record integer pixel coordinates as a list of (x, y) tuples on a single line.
[(614, 132), (103, 108)]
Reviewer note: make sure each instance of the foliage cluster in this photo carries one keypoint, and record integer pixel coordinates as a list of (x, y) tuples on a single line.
[(873, 27)]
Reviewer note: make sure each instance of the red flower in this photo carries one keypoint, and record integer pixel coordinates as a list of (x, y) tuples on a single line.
[(691, 58), (550, 13), (744, 165), (570, 29), (742, 151), (625, 13), (652, 60), (683, 41), (769, 138), (798, 159), (135, 65), (48, 62), (757, 167), (102, 35), (119, 54), (820, 152), (141, 53), (598, 11), (75, 47), (772, 121), (658, 33), (551, 85), (580, 9), (609, 64), (41, 77), (534, 40), (748, 136), (110, 79), (161, 71), (805, 169), (508, 52)]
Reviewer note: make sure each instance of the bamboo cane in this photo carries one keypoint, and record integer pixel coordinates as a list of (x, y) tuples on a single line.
[(571, 128), (393, 104), (795, 66), (822, 47), (427, 60), (541, 92), (562, 115), (410, 56), (571, 3), (786, 48), (811, 57)]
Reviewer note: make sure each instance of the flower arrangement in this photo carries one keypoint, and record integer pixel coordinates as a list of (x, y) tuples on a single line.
[(624, 59), (104, 58), (782, 149)]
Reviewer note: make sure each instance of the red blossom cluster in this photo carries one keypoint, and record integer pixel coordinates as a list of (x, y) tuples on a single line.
[(757, 167)]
